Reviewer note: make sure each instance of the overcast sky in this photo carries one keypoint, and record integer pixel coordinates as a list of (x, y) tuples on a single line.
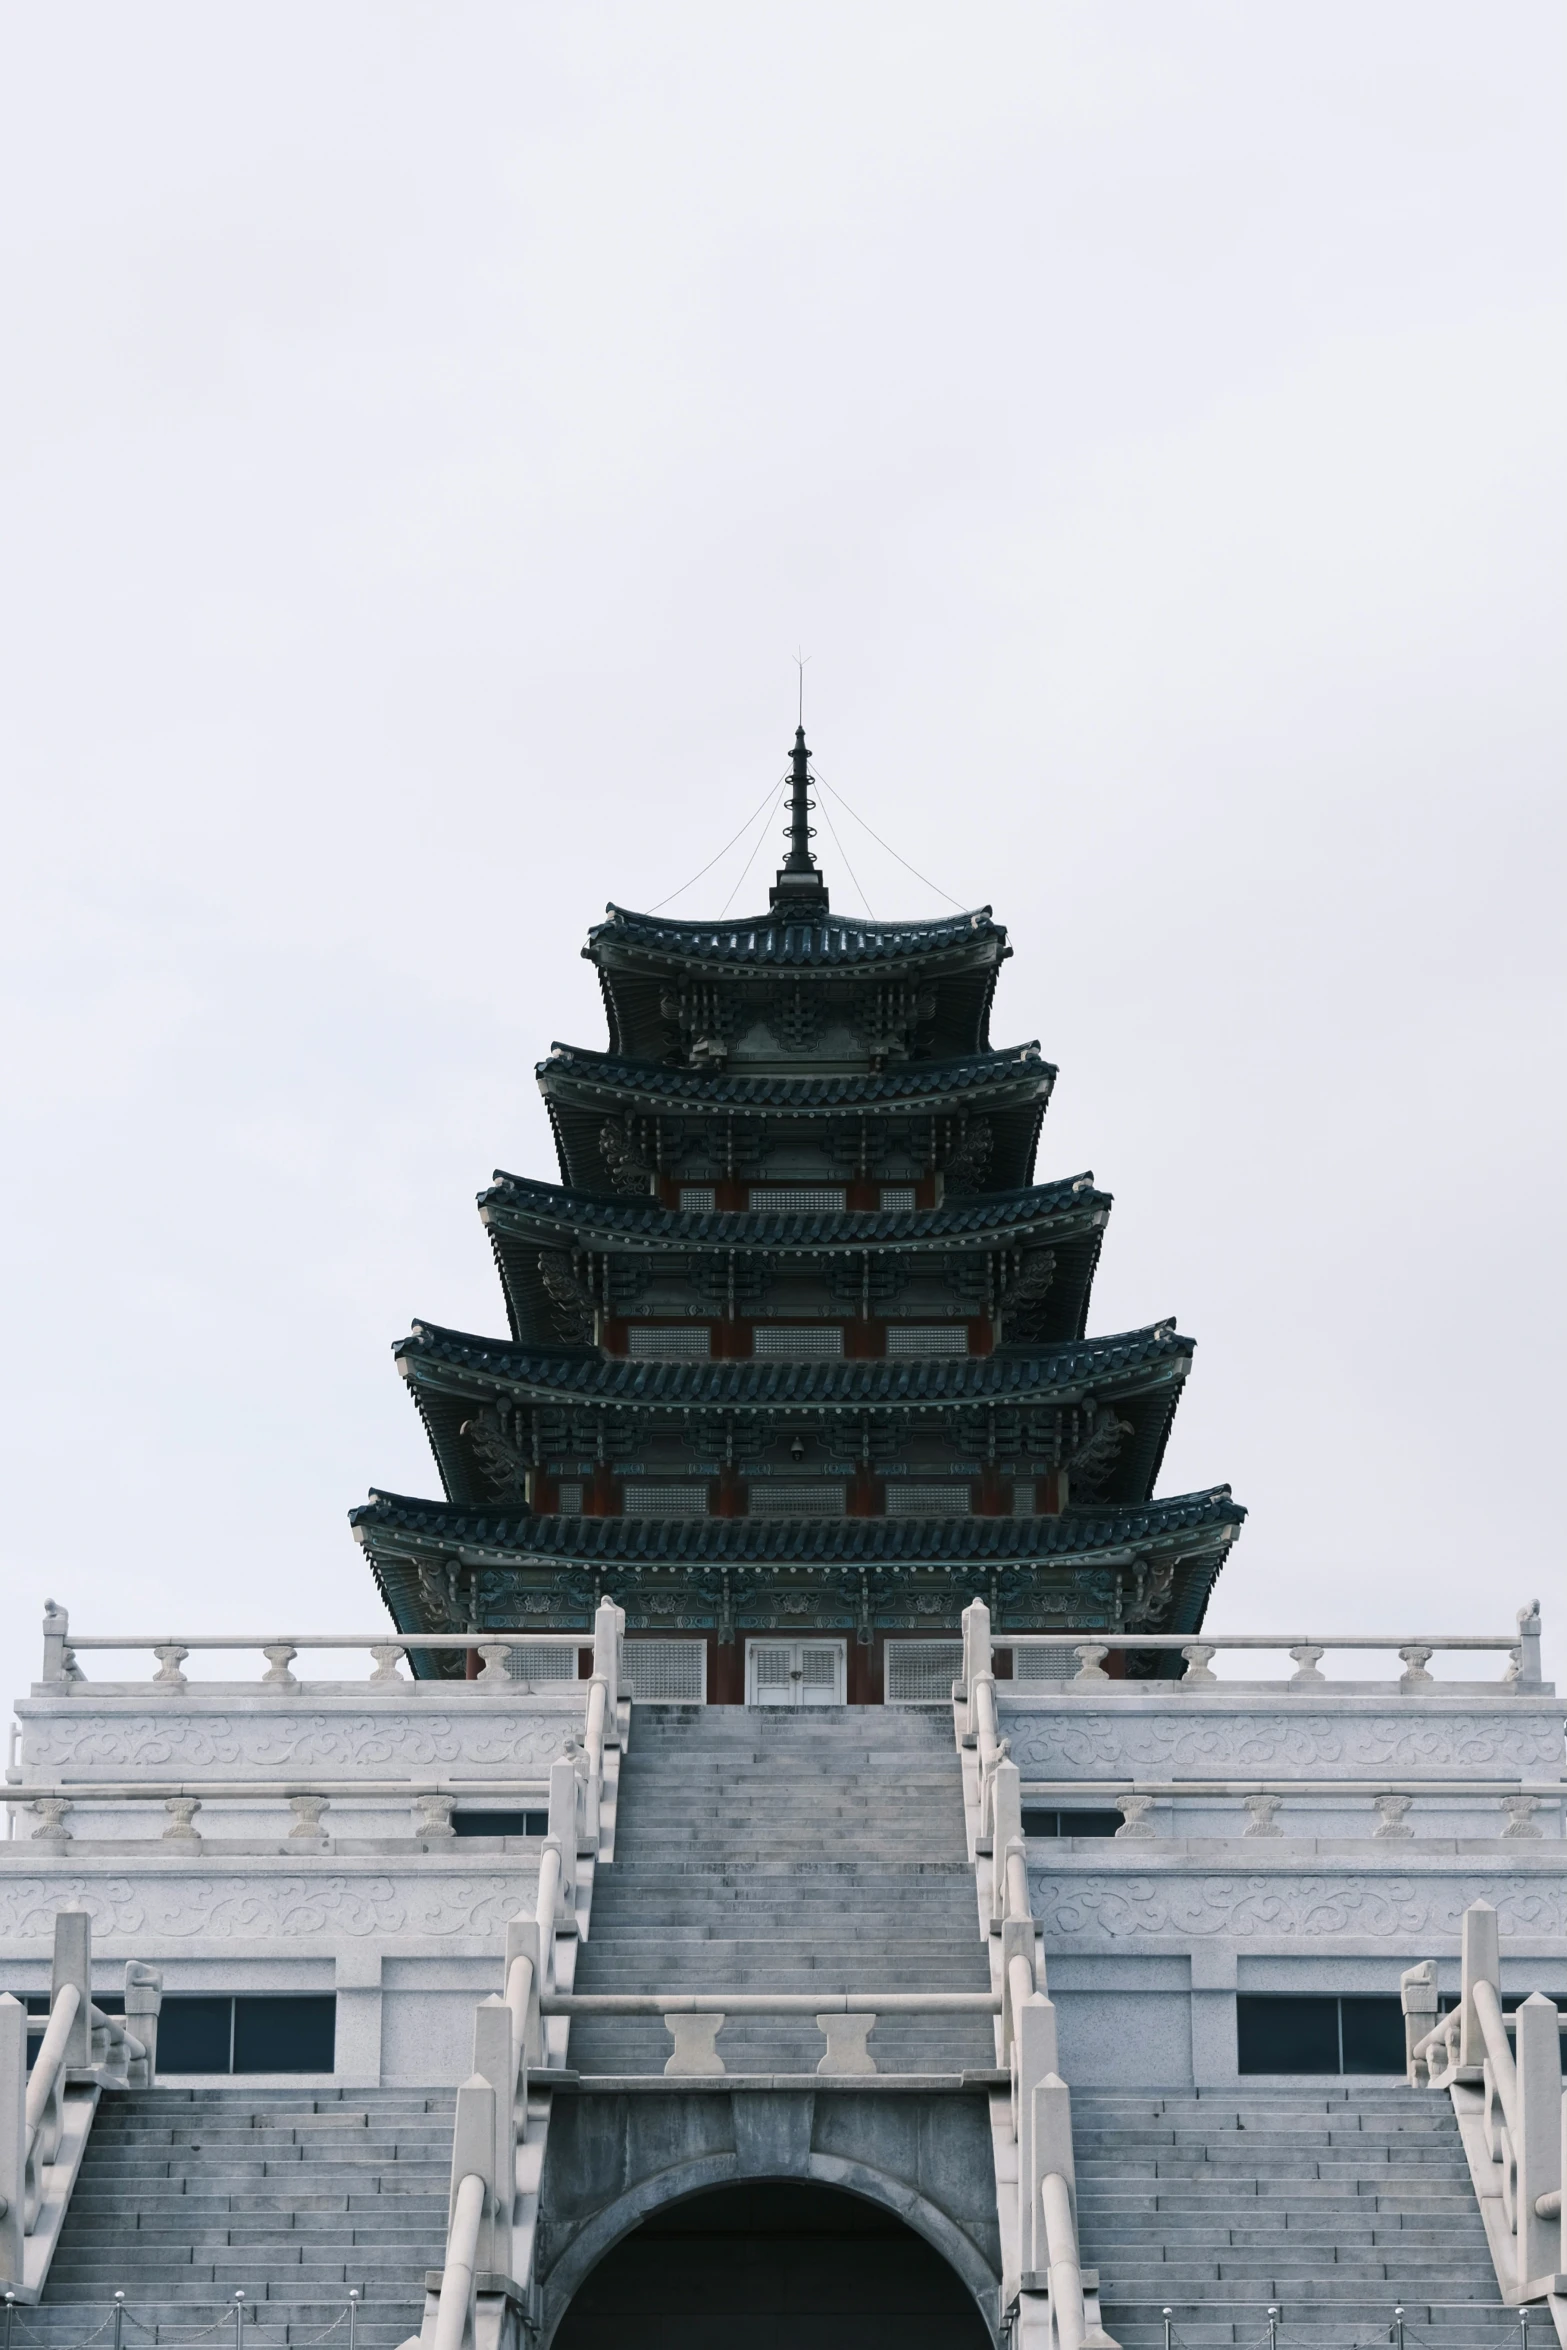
[(427, 433)]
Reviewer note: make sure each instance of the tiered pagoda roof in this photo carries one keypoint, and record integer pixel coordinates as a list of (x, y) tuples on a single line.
[(797, 1342)]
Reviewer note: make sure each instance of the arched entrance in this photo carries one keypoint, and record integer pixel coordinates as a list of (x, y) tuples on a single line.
[(773, 2265)]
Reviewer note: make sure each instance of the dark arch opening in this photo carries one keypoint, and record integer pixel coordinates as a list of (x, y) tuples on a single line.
[(775, 2265)]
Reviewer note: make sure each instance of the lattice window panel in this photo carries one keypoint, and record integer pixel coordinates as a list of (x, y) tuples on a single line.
[(927, 1338), (665, 1501), (820, 1669), (569, 1497), (798, 1199), (665, 1672), (801, 1345), (913, 1498), (1024, 1504), (897, 1199), (698, 1199), (1044, 1664), (687, 1343), (921, 1672), (797, 1501), (770, 1668), (531, 1661)]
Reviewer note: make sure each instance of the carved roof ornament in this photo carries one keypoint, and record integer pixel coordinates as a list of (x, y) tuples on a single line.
[(800, 888)]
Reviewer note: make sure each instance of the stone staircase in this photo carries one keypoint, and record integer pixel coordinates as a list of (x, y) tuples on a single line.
[(290, 2196), (761, 1849), (1332, 2203)]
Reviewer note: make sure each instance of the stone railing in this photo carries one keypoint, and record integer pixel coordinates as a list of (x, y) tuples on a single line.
[(1522, 1651), (1508, 2099), (573, 1790), (845, 2019), (1051, 2298), (45, 2115), (309, 1799), (1396, 1808), (553, 1658), (484, 2292)]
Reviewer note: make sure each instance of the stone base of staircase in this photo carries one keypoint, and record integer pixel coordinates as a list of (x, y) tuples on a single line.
[(187, 2196)]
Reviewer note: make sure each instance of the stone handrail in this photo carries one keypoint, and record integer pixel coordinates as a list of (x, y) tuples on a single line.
[(1058, 1791), (845, 2019), (1508, 2100), (151, 1790), (45, 2116), (1057, 2306), (309, 1797), (1391, 1798), (772, 2002), (488, 2254), (1414, 1651), (386, 1648), (454, 2320)]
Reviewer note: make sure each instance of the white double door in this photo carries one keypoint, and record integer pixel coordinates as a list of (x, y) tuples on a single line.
[(796, 1672)]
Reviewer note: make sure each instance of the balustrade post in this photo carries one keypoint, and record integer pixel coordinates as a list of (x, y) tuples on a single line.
[(522, 1948), (73, 1964), (1529, 1669), (594, 1745), (13, 2136), (1417, 1997), (976, 1645), (608, 1623), (57, 1631), (143, 2006), (1034, 2060), (1022, 1974), (1006, 1827), (562, 1829), (1538, 2055), (577, 1756), (494, 2061), (1481, 1963), (473, 2156)]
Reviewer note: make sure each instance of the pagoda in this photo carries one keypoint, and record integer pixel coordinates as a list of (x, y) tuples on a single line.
[(798, 1360)]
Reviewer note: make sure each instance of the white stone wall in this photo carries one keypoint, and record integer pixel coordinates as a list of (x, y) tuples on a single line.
[(1149, 1939), (406, 1928)]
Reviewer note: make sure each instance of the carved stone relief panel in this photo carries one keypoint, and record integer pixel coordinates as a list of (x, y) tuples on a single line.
[(1283, 1736), (1410, 1911), (382, 1745), (218, 1905)]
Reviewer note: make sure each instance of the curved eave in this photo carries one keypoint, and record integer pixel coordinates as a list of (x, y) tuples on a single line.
[(392, 1523), (765, 942), (977, 1080), (552, 1217), (411, 1544), (1125, 1362)]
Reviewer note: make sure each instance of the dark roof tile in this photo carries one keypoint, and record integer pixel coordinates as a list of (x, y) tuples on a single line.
[(1087, 1363), (1206, 1516)]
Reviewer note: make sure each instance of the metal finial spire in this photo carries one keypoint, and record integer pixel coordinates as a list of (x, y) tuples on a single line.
[(799, 878)]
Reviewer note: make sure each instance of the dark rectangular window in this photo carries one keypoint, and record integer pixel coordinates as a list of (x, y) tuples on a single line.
[(251, 2033), (1070, 1823), (1319, 2032), (285, 2035), (1373, 2035), (196, 2035), (500, 1823)]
